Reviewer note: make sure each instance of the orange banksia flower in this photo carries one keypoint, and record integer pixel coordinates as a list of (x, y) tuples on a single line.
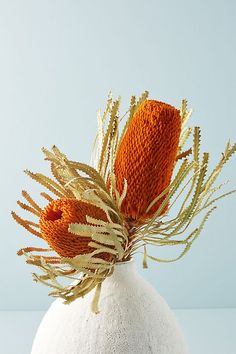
[(146, 157), (97, 216), (82, 227), (54, 224)]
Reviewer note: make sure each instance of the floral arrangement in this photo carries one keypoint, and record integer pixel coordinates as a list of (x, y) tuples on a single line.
[(97, 216)]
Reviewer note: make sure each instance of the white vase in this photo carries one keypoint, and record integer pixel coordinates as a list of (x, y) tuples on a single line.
[(133, 319)]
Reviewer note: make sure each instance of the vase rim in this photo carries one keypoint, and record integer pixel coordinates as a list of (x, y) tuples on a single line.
[(124, 262)]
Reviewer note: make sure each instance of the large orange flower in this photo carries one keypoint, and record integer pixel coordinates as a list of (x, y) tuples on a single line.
[(146, 157)]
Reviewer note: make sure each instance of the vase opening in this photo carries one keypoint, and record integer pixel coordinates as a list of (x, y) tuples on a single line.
[(131, 260)]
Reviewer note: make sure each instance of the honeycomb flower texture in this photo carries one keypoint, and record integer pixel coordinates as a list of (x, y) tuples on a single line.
[(54, 223), (146, 157)]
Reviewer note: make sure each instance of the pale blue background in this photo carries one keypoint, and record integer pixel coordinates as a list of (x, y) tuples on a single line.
[(58, 59)]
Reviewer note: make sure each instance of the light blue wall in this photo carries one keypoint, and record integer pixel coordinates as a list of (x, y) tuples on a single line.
[(58, 59)]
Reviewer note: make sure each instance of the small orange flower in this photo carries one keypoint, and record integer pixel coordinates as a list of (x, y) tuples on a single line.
[(55, 220), (146, 157), (53, 226)]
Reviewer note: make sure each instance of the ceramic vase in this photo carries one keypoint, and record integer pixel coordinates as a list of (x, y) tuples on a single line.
[(133, 319)]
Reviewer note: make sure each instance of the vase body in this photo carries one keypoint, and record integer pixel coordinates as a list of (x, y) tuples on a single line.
[(133, 319)]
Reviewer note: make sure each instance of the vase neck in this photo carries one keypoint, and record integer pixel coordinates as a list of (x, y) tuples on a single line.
[(124, 269)]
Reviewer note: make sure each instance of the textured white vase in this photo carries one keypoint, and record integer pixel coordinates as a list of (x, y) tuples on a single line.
[(133, 319)]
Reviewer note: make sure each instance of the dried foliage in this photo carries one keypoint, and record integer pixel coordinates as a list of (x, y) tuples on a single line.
[(192, 186)]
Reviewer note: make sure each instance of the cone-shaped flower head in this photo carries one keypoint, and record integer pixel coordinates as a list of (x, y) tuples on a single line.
[(146, 157), (55, 220)]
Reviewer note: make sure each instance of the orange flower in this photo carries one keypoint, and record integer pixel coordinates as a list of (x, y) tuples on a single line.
[(146, 157), (55, 220)]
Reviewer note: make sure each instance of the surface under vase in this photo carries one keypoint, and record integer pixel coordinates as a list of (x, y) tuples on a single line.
[(133, 319)]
